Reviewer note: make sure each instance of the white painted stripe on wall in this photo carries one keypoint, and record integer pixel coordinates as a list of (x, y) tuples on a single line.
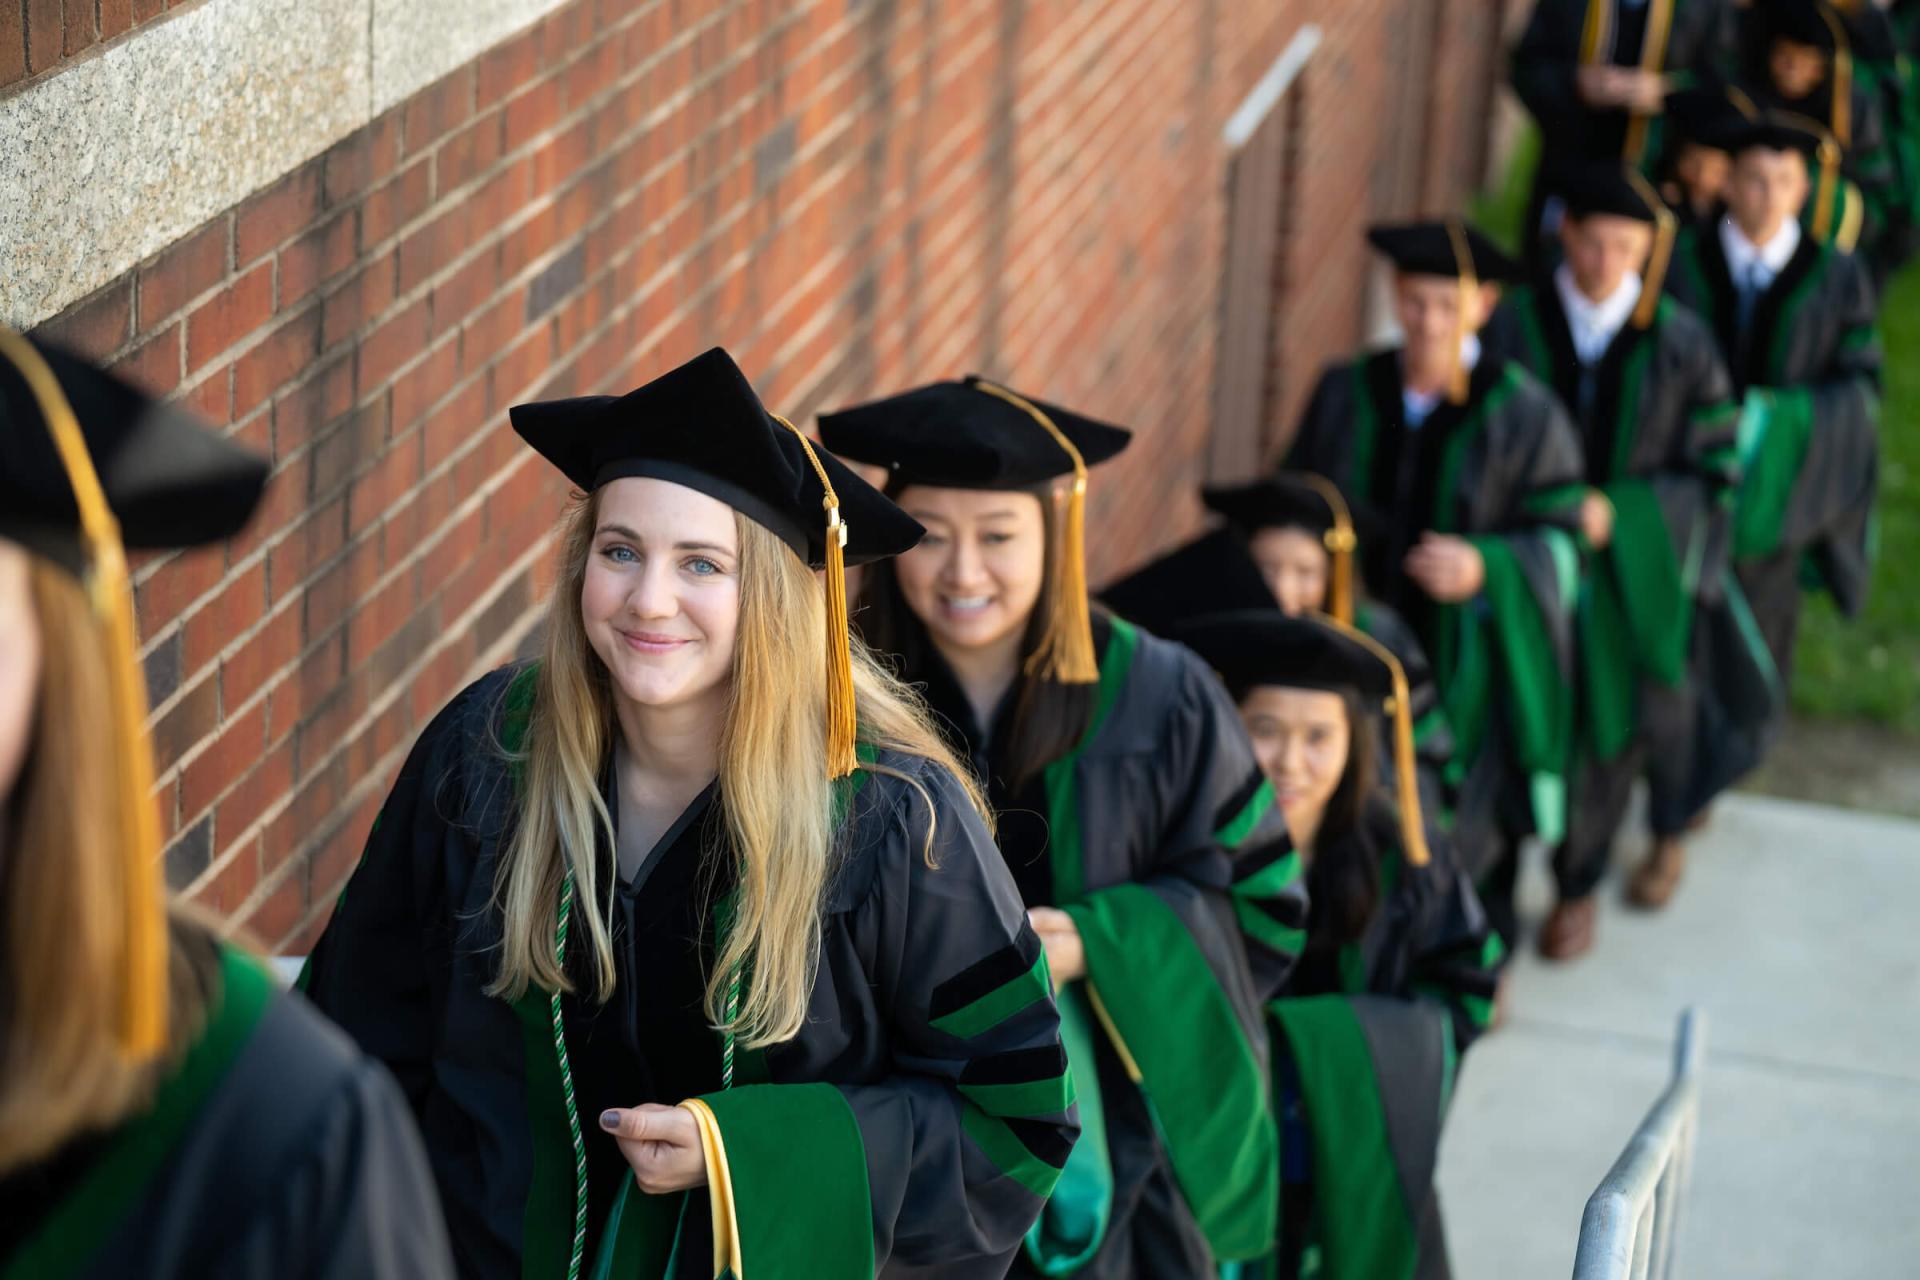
[(107, 161), (1272, 87)]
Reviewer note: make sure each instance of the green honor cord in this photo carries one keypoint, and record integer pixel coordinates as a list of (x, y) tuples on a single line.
[(578, 1252)]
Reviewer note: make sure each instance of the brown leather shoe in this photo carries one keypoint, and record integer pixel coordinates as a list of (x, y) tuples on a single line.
[(1568, 932), (1653, 882)]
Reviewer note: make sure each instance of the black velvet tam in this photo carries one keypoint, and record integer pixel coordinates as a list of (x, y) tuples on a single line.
[(1427, 249), (1606, 189), (1710, 117), (701, 425), (1802, 22), (1248, 648), (1281, 501), (1208, 575), (168, 480), (954, 435), (1779, 131)]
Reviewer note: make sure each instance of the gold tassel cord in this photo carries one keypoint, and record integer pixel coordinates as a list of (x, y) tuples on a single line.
[(1665, 228), (1413, 831), (843, 720), (1596, 32), (1341, 544), (1842, 113), (144, 1015), (1065, 652), (1653, 54), (1827, 156), (1457, 381)]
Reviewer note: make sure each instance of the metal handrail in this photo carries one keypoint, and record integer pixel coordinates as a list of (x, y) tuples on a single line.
[(1632, 1219)]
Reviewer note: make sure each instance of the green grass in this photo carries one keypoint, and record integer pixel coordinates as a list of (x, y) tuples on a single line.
[(1868, 668)]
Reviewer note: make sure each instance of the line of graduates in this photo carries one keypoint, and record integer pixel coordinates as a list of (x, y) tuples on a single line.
[(961, 928)]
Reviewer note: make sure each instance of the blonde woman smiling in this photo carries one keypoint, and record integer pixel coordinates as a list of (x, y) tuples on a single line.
[(693, 951)]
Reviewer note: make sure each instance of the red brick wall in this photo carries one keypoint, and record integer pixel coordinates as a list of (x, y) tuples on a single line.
[(850, 196), (36, 35)]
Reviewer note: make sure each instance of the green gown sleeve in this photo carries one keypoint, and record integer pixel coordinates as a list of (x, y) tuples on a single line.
[(946, 1161), (1179, 960)]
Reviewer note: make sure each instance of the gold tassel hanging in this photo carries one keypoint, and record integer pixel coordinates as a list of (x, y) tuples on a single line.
[(1065, 652), (1827, 156), (1653, 55), (1841, 116), (1341, 543), (1665, 227), (1457, 381), (843, 720), (1596, 32), (1413, 830), (144, 1015)]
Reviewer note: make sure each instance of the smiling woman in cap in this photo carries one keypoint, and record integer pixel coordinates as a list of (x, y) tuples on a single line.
[(1476, 481), (1295, 530), (689, 941), (1129, 802), (164, 1110), (1400, 966)]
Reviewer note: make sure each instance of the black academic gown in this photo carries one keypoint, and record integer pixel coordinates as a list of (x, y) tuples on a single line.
[(1700, 43), (912, 1128), (1159, 836), (1503, 470), (1658, 427), (1367, 1044), (271, 1149), (1808, 363)]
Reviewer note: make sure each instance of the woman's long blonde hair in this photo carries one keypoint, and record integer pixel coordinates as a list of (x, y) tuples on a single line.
[(63, 900), (779, 803)]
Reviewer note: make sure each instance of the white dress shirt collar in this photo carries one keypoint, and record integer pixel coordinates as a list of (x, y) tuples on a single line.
[(1595, 324), (1770, 259), (1415, 406)]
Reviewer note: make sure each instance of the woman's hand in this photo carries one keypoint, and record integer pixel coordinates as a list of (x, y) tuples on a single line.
[(662, 1144), (1447, 568), (1596, 519), (1066, 958)]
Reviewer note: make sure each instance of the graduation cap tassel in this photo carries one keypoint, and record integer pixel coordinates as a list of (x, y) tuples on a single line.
[(843, 720), (1665, 227), (1065, 652), (143, 1020), (1413, 831), (1469, 288), (1841, 116), (1829, 154), (1653, 54), (1340, 543)]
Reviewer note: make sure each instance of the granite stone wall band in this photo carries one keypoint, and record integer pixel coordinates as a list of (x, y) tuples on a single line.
[(112, 158)]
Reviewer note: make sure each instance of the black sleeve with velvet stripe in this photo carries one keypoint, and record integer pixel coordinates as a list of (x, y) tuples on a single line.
[(946, 1162), (1167, 956)]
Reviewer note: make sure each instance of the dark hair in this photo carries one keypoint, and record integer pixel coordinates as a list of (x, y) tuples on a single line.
[(1049, 718), (1343, 881)]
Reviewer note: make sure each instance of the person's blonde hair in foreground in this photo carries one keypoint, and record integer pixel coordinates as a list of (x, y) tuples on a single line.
[(164, 1111), (689, 940)]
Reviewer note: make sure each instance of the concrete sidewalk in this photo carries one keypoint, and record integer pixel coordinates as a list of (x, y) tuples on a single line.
[(1796, 931)]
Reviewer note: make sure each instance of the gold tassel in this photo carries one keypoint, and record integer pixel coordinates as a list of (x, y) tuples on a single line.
[(1457, 381), (1596, 31), (1340, 543), (1413, 831), (143, 1016), (1829, 184), (1664, 229), (843, 720), (1065, 652), (1842, 114), (1653, 53)]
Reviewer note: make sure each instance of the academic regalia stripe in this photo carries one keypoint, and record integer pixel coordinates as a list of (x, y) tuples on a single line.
[(1028, 989), (1048, 1097), (1267, 931), (997, 1140), (982, 978), (1257, 806)]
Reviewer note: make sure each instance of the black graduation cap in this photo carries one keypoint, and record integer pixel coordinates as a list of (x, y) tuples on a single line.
[(1710, 116), (167, 481), (1609, 188), (1207, 575), (702, 425), (89, 466), (1808, 22), (977, 434), (1297, 500), (1435, 249), (960, 435), (1248, 648)]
